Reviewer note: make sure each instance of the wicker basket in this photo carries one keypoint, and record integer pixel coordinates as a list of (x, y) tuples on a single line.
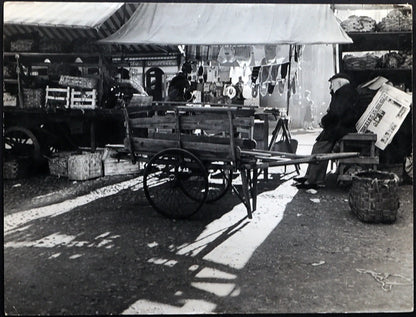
[(373, 196), (33, 98), (58, 164), (16, 168)]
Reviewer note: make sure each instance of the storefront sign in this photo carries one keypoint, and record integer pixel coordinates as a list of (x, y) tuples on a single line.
[(168, 62), (145, 61)]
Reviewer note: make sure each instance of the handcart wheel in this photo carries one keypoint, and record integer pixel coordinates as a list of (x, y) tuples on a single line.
[(219, 182), (21, 142), (168, 176)]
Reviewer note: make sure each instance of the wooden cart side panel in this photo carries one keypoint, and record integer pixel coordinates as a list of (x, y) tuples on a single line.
[(214, 123), (243, 143), (204, 151)]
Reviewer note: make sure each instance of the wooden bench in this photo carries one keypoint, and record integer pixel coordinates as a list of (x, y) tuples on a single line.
[(364, 143)]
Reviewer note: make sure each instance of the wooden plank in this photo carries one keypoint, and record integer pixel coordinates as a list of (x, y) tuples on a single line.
[(203, 122), (272, 153), (232, 145), (360, 137), (145, 145), (360, 160), (241, 142), (244, 180)]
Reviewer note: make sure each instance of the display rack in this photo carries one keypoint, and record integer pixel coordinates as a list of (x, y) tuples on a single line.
[(373, 42)]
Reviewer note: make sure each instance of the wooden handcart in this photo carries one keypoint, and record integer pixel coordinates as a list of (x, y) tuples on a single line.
[(192, 152)]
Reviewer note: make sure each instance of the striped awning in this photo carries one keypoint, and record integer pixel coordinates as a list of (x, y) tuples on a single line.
[(71, 21)]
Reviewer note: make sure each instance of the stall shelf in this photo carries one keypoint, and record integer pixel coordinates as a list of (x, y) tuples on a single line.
[(41, 65), (373, 42)]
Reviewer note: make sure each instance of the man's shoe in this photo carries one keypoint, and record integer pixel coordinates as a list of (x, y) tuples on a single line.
[(307, 186), (300, 179)]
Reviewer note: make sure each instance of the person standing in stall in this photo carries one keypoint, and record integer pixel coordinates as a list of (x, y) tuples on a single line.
[(179, 85), (308, 119), (339, 120)]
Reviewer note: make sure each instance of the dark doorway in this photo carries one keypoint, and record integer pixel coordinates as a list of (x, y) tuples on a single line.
[(154, 83)]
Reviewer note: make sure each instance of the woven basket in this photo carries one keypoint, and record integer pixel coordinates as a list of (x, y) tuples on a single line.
[(16, 168), (373, 196), (33, 98), (58, 164)]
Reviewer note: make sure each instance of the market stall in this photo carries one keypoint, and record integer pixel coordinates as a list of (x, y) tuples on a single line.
[(217, 37), (382, 52), (57, 81), (283, 29)]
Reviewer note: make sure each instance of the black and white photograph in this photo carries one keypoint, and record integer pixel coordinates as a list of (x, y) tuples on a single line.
[(209, 157)]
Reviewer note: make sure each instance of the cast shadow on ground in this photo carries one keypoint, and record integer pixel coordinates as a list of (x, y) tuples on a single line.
[(121, 251)]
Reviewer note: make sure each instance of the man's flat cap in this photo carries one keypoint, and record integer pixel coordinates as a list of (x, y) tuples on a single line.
[(340, 75)]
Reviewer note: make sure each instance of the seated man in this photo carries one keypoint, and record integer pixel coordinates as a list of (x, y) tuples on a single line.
[(339, 120)]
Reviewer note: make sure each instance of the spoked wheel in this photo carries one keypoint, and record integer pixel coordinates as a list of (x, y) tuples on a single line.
[(21, 142), (219, 182), (171, 178)]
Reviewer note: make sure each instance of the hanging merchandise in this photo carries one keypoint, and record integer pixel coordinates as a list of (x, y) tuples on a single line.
[(243, 55), (281, 86), (283, 70), (293, 85), (258, 54), (282, 54), (255, 91), (212, 73), (200, 74), (263, 89), (264, 80), (270, 54), (224, 73), (200, 70), (213, 52), (273, 76), (247, 91), (230, 91), (255, 74), (270, 88), (226, 55), (274, 72)]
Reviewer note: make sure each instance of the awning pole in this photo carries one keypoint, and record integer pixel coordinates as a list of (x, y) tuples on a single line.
[(288, 83)]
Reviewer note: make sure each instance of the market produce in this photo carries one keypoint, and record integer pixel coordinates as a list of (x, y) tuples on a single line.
[(358, 24), (395, 21)]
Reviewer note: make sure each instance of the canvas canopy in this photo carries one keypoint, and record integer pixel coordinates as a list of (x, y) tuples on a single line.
[(61, 14), (230, 24), (72, 21)]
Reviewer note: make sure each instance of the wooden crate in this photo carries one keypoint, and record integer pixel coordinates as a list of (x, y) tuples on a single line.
[(57, 97), (58, 164), (83, 99), (85, 166), (113, 166)]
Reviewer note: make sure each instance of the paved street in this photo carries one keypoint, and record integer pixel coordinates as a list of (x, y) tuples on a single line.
[(98, 247)]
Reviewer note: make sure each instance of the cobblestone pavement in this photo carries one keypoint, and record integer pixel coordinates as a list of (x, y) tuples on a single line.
[(97, 247)]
